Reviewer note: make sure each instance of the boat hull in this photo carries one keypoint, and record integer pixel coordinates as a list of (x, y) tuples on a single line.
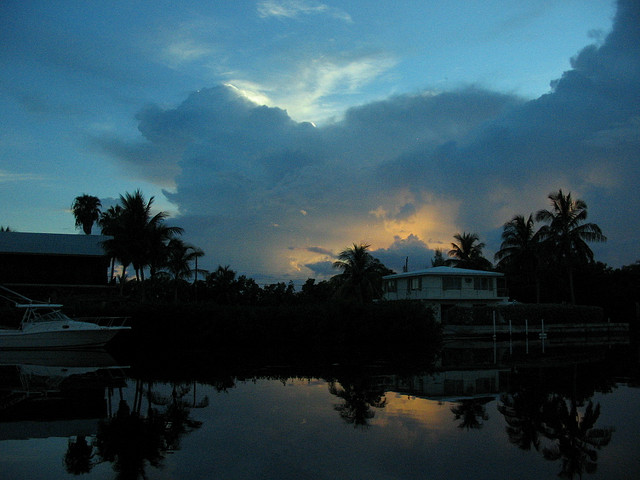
[(67, 339)]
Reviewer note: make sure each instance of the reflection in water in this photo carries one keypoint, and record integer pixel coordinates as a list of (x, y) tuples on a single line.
[(472, 411), (523, 413), (131, 440), (359, 396), (551, 420), (546, 405), (575, 438), (79, 456), (63, 387)]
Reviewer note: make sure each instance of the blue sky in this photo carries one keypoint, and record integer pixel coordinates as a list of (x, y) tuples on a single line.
[(279, 132)]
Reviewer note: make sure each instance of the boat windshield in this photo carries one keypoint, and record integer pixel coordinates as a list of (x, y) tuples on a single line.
[(39, 315)]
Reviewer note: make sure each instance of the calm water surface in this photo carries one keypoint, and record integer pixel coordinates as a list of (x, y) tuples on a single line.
[(568, 413)]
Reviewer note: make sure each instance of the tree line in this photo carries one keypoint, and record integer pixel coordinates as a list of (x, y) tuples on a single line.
[(545, 258), (145, 242), (527, 255)]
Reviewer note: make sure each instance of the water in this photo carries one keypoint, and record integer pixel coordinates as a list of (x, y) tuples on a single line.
[(480, 413)]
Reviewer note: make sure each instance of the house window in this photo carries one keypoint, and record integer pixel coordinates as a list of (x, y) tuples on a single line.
[(483, 283), (416, 283), (392, 286), (452, 283)]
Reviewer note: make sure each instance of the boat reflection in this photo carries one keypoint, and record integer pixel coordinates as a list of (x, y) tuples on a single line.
[(55, 393), (79, 395)]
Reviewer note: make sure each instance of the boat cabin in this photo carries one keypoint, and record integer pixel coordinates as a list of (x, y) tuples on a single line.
[(444, 287)]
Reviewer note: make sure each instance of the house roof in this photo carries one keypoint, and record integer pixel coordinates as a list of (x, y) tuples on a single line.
[(444, 271), (52, 243)]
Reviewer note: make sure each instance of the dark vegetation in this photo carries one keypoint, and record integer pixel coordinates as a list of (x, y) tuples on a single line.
[(176, 306), (276, 331)]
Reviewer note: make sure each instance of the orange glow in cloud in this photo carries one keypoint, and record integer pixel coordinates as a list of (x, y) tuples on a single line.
[(431, 219)]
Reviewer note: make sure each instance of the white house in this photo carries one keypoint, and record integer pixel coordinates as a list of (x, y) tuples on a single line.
[(444, 287)]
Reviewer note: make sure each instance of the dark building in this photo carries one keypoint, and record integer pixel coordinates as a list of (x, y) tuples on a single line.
[(52, 259)]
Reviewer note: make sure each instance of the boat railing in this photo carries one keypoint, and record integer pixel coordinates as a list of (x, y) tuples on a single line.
[(106, 321)]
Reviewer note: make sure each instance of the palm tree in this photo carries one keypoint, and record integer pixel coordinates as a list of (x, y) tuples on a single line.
[(86, 210), (361, 277), (224, 285), (178, 261), (519, 250), (566, 235), (111, 225), (159, 236), (467, 253), (143, 234), (438, 259)]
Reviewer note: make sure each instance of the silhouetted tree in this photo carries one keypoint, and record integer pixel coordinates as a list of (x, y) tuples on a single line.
[(223, 285), (519, 254), (178, 259), (467, 253), (438, 258), (565, 234), (140, 238), (86, 210), (116, 248), (361, 277)]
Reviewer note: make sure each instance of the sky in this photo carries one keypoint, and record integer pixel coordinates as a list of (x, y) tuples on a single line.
[(277, 133)]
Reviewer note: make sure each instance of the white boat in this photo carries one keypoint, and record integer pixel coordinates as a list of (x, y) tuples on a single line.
[(45, 326)]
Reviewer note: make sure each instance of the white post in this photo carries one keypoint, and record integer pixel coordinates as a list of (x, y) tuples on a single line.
[(495, 346), (494, 325), (510, 341), (526, 334)]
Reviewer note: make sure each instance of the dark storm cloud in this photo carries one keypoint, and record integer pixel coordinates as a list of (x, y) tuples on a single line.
[(583, 135), (411, 250), (253, 182)]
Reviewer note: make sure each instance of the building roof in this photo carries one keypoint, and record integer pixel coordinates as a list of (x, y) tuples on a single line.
[(444, 271), (52, 243)]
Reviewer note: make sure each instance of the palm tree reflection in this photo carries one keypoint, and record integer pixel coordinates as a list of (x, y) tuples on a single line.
[(177, 414), (523, 414), (131, 440), (554, 424), (359, 397), (575, 440), (472, 411), (79, 456)]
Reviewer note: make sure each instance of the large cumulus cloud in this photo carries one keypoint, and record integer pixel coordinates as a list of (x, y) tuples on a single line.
[(269, 195)]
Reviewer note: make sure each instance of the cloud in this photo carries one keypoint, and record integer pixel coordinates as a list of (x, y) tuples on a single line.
[(316, 86), (297, 8), (410, 251), (405, 173), (6, 177)]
